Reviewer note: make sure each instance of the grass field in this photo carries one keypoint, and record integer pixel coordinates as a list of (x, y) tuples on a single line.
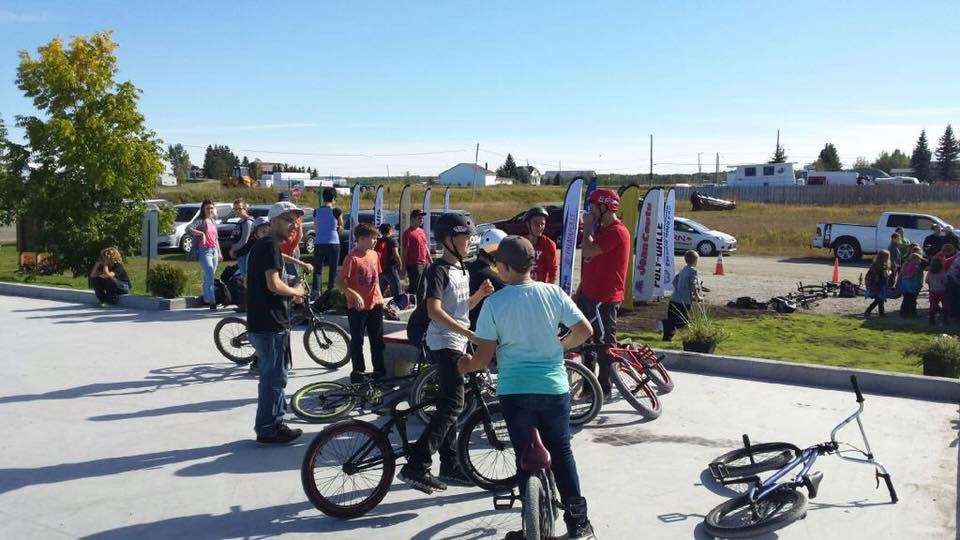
[(815, 339)]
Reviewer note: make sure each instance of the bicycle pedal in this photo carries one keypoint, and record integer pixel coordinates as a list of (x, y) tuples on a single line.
[(504, 502)]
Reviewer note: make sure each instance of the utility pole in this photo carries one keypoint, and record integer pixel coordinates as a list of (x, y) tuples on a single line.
[(476, 158), (651, 159), (716, 175), (388, 170), (699, 166)]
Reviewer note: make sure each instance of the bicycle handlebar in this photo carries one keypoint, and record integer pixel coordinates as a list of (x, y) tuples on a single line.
[(856, 388)]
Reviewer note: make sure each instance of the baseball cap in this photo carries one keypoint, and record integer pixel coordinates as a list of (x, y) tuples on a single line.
[(282, 208), (284, 196), (516, 252), (417, 213)]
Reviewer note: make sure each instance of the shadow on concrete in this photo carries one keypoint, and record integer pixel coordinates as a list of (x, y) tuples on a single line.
[(486, 524), (616, 419), (204, 407), (707, 480), (118, 314)]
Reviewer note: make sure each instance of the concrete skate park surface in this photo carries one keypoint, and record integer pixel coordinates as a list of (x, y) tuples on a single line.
[(129, 424)]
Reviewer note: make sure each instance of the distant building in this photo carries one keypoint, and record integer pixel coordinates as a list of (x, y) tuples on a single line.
[(195, 172), (467, 174), (562, 178), (503, 181), (528, 174), (266, 167)]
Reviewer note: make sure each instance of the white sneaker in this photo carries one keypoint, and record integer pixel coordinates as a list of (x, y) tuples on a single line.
[(659, 328)]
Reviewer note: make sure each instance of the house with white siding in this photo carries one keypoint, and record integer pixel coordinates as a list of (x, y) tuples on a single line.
[(467, 174)]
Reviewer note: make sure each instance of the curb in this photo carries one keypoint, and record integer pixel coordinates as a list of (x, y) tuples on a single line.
[(77, 296), (940, 389)]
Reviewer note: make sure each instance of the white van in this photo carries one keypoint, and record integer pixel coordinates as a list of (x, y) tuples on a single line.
[(764, 174), (897, 180), (837, 178)]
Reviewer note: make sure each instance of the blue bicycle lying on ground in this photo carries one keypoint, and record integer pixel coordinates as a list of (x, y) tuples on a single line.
[(774, 503)]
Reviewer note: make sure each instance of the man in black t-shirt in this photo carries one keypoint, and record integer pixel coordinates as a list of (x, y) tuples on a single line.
[(268, 323)]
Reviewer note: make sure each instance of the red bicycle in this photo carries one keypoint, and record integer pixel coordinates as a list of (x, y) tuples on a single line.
[(635, 369)]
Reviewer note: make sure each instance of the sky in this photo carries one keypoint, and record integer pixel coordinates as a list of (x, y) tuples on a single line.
[(389, 87)]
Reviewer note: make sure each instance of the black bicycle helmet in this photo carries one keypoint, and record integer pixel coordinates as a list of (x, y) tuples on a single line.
[(534, 212), (452, 224)]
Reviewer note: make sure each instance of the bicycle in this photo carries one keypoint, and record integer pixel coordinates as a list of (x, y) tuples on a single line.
[(326, 342), (633, 369), (771, 504), (349, 467)]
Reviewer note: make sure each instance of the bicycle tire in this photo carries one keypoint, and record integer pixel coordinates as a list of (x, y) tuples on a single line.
[(635, 388), (426, 387), (537, 512), (765, 457), (735, 519), (586, 396), (323, 401), (230, 337), (484, 450), (327, 344), (661, 378), (330, 450)]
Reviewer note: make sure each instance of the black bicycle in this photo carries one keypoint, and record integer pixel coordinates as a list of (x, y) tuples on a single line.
[(349, 466), (772, 504)]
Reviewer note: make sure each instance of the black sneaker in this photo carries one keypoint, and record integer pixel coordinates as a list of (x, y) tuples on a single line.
[(453, 474), (581, 530), (284, 435), (425, 482), (357, 377)]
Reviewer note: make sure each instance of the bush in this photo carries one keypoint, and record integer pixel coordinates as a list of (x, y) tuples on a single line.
[(939, 356), (167, 281), (701, 327)]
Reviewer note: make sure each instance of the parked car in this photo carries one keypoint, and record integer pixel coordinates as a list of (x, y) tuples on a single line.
[(689, 234), (177, 237), (850, 242), (225, 228), (554, 230)]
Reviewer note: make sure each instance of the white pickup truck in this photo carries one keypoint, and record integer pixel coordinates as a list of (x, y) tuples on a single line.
[(850, 241)]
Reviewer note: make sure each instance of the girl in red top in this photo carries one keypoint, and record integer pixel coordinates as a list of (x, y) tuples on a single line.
[(546, 264)]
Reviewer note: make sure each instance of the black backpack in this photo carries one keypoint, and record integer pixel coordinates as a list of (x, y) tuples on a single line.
[(221, 293), (783, 305), (417, 325), (848, 289)]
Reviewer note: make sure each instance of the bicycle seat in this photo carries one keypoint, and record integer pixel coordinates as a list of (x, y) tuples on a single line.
[(535, 456)]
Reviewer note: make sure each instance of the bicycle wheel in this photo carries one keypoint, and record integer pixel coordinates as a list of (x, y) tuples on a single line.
[(426, 387), (634, 386), (736, 518), (327, 344), (761, 457), (323, 402), (661, 378), (484, 450), (348, 469), (586, 397), (537, 512), (230, 336)]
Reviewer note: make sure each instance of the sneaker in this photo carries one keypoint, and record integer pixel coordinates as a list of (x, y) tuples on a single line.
[(453, 474), (424, 482), (514, 535), (284, 435), (357, 377), (377, 374), (581, 530), (254, 366), (607, 394)]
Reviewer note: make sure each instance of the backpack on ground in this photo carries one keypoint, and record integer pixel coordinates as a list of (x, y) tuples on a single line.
[(848, 289), (417, 325), (221, 293), (783, 305), (747, 302)]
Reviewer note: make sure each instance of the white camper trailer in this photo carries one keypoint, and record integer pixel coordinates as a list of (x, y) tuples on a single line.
[(837, 178), (763, 174)]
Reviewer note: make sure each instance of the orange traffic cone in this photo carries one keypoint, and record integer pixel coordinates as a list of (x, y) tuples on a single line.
[(718, 270), (836, 270)]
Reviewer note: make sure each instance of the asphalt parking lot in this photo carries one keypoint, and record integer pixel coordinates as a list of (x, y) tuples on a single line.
[(127, 424)]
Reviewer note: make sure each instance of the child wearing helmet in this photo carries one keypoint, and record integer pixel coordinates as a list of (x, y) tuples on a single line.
[(606, 251), (448, 302), (546, 265), (484, 268)]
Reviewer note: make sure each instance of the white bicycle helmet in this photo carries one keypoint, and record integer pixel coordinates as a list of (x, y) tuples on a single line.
[(491, 239)]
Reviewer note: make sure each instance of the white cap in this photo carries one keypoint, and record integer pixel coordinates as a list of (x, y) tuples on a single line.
[(283, 207)]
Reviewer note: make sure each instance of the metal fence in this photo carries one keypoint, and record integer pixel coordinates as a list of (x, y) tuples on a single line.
[(829, 195)]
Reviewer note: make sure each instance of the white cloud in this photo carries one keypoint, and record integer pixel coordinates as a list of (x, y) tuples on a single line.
[(11, 17)]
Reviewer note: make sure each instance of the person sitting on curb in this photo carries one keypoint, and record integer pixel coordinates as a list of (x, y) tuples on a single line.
[(108, 278)]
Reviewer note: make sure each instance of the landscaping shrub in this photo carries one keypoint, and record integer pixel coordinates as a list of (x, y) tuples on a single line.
[(939, 356), (167, 281)]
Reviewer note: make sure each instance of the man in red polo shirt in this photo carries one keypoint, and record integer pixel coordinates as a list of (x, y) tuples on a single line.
[(416, 251), (606, 252)]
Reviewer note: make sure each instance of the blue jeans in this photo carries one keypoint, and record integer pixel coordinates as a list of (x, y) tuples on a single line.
[(273, 352), (325, 254), (208, 263), (392, 278), (550, 414)]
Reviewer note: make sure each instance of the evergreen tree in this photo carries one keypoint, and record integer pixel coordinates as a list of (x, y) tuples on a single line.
[(920, 160), (948, 156), (779, 155), (829, 159), (508, 169)]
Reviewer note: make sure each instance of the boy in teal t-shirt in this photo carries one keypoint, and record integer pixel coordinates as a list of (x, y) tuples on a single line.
[(519, 323)]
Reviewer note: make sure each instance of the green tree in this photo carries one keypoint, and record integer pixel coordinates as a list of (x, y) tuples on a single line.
[(508, 169), (779, 155), (829, 159), (920, 159), (860, 162), (219, 161), (948, 156), (887, 162), (90, 152), (179, 162)]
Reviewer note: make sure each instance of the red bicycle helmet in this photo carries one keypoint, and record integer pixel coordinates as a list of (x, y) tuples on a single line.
[(608, 197)]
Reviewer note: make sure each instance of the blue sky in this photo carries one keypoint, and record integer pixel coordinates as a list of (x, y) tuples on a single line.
[(413, 86)]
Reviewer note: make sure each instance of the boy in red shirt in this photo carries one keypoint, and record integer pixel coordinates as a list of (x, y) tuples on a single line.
[(606, 251), (546, 264), (359, 278), (416, 253)]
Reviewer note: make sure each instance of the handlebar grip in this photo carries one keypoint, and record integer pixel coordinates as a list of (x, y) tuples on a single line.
[(893, 492), (856, 388)]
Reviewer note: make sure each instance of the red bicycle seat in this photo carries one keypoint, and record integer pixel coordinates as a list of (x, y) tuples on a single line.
[(535, 456)]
